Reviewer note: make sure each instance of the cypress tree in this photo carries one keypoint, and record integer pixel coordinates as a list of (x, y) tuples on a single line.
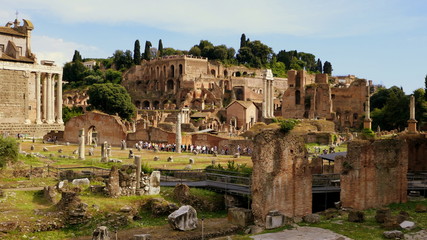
[(319, 67), (77, 56), (243, 41), (147, 54), (327, 68), (137, 53), (160, 48)]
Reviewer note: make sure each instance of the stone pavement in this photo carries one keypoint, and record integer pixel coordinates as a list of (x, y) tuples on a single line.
[(420, 235), (302, 233)]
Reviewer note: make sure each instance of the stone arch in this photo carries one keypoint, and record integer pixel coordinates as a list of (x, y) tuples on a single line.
[(157, 72), (245, 74), (180, 69), (238, 74), (138, 104), (297, 97), (226, 85), (146, 104), (156, 104), (213, 72), (172, 73), (260, 91), (92, 135), (240, 94), (170, 85), (165, 103), (225, 73)]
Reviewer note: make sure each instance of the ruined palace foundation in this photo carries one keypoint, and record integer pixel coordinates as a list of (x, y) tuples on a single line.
[(281, 180)]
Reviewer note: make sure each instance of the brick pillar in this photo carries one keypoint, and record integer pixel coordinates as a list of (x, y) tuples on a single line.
[(38, 98)]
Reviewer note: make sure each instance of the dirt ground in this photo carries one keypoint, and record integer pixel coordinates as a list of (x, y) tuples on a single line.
[(213, 227)]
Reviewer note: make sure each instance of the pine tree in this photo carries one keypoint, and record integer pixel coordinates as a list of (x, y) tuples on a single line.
[(77, 56), (147, 53), (137, 53), (160, 48)]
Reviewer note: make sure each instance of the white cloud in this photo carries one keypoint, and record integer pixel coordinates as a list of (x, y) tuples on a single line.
[(58, 50), (303, 17)]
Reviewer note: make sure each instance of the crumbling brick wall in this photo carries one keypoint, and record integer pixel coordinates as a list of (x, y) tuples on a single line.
[(417, 152), (374, 173), (281, 178)]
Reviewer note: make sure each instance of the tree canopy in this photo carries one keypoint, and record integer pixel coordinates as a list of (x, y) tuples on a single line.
[(112, 99)]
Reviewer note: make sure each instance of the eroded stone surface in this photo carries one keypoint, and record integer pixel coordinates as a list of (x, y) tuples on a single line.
[(183, 219)]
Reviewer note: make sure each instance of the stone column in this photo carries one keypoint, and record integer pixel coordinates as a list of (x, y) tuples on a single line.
[(104, 155), (82, 144), (38, 98), (49, 99), (178, 133), (137, 162), (264, 102), (412, 123), (59, 100), (44, 99), (367, 122), (271, 95)]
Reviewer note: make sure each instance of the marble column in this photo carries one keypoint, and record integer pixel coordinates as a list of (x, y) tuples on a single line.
[(137, 162), (367, 122), (44, 99), (49, 99), (38, 98), (82, 144), (52, 99), (59, 100), (412, 123), (264, 102)]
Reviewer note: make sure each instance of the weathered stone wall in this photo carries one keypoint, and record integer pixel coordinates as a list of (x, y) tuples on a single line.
[(109, 128), (13, 88), (281, 178), (155, 135), (374, 173)]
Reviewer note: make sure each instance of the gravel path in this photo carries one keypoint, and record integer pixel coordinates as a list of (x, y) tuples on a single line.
[(302, 233)]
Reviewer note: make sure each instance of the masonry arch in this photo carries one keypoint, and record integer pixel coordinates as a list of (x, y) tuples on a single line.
[(238, 74), (170, 85), (213, 72), (180, 70), (138, 104), (240, 94), (146, 104), (225, 73), (297, 97), (156, 104), (172, 73)]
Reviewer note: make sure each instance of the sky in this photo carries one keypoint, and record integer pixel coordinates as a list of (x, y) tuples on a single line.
[(380, 40)]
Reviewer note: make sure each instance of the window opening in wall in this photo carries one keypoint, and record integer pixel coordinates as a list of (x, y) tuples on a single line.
[(1, 48), (297, 97)]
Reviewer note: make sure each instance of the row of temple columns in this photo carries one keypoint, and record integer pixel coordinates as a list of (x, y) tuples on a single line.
[(268, 103), (46, 111)]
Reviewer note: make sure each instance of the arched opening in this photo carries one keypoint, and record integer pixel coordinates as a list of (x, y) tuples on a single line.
[(297, 97), (225, 73), (260, 91), (172, 73), (165, 104), (146, 104), (355, 116), (169, 85), (240, 95), (298, 81), (157, 72), (92, 135), (213, 72), (138, 104), (238, 74), (180, 69), (156, 104), (139, 82), (245, 74)]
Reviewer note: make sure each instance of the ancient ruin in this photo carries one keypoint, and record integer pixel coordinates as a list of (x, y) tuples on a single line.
[(282, 179), (30, 93)]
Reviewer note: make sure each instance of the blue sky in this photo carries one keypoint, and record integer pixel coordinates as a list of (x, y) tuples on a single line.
[(380, 40)]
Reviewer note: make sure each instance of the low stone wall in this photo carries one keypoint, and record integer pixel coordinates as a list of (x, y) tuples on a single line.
[(37, 130)]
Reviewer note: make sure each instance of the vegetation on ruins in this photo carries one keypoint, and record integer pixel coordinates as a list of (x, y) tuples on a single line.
[(368, 134), (286, 125), (112, 99), (232, 166), (68, 113), (390, 108), (8, 151)]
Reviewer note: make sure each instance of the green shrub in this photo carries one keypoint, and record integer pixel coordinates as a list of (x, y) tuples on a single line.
[(146, 168), (8, 151), (368, 134)]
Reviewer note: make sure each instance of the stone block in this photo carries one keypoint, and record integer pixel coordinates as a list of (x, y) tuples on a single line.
[(81, 182), (393, 234), (240, 216), (183, 219), (142, 237), (101, 233), (420, 208), (408, 225), (274, 219), (356, 216), (312, 218)]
